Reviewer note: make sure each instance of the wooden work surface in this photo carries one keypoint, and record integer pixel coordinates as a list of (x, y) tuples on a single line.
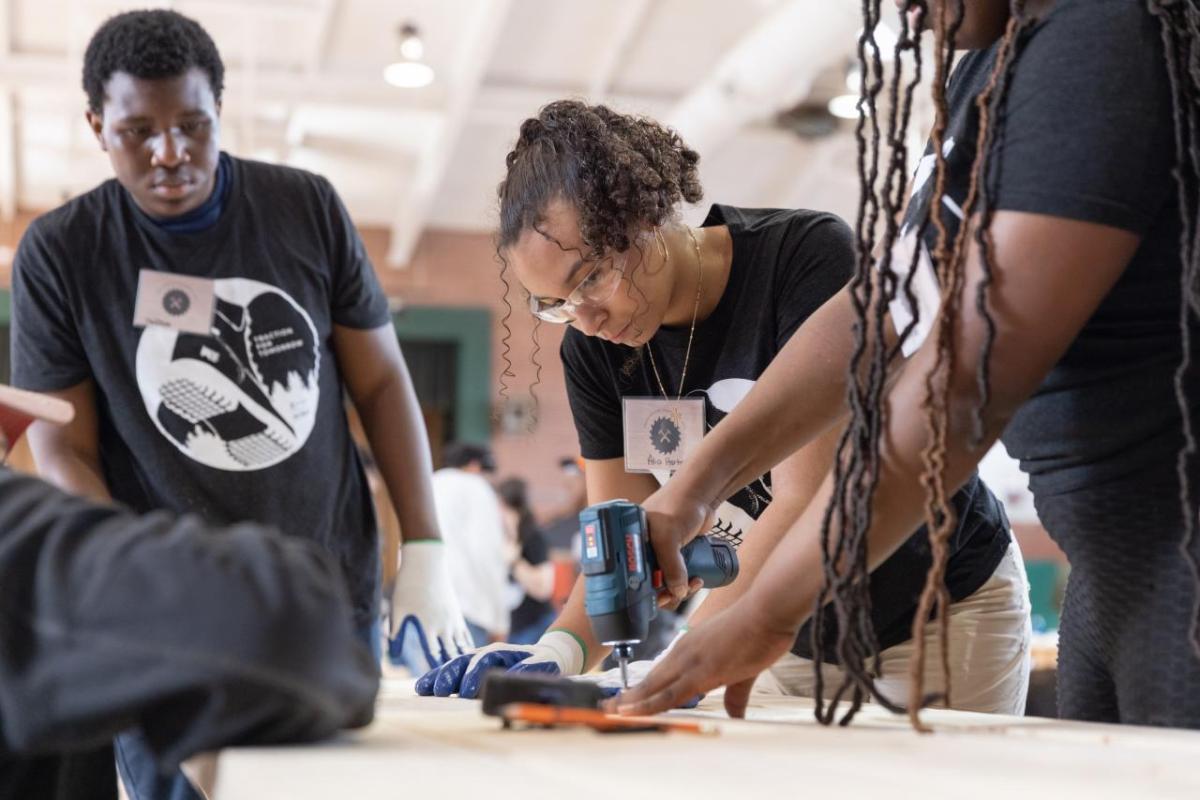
[(445, 748)]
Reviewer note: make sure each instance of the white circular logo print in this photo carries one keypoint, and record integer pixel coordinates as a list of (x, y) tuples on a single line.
[(244, 397)]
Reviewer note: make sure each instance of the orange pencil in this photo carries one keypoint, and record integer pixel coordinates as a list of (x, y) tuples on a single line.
[(539, 714)]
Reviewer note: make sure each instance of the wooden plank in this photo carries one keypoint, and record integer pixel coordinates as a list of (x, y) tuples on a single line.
[(445, 748)]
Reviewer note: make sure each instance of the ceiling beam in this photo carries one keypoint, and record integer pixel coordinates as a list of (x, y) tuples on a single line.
[(629, 19), (478, 41), (28, 71), (771, 67), (54, 75), (327, 19)]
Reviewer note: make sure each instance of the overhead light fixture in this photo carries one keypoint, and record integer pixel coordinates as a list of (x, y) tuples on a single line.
[(845, 106), (886, 40), (410, 72), (854, 79)]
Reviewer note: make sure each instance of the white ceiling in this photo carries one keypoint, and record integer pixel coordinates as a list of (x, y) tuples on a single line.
[(304, 87)]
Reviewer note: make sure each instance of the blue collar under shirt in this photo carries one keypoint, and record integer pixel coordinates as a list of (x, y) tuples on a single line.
[(205, 215)]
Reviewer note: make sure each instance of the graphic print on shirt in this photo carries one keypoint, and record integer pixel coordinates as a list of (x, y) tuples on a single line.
[(734, 516), (245, 396), (924, 284)]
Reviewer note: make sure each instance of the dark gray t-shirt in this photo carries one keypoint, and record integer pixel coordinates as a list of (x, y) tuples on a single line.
[(1087, 135), (247, 422), (786, 264)]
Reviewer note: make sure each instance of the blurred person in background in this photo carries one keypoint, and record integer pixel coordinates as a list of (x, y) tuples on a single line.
[(562, 530), (469, 514), (531, 569)]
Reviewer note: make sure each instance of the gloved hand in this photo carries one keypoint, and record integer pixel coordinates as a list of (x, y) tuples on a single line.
[(424, 601), (610, 681), (556, 653)]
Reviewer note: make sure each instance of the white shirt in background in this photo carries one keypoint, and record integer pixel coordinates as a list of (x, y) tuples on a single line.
[(472, 526)]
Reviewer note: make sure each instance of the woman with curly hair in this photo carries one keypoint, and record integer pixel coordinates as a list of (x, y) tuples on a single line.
[(690, 317)]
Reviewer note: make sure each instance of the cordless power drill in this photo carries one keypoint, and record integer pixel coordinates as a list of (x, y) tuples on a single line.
[(622, 578)]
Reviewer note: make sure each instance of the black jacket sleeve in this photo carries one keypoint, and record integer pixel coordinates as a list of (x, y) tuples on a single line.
[(201, 637)]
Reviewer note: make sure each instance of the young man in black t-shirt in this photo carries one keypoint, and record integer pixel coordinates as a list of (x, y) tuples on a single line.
[(206, 314)]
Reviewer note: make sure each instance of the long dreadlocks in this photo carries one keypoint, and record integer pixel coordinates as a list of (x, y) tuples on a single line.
[(875, 285), (1180, 24)]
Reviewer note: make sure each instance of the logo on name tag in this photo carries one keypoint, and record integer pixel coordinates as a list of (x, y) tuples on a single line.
[(665, 435), (659, 433), (176, 302), (179, 302)]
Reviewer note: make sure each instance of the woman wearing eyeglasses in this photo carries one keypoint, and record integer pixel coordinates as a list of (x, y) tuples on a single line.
[(670, 326)]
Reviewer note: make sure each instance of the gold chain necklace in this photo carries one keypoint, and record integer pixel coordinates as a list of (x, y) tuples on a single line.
[(687, 354)]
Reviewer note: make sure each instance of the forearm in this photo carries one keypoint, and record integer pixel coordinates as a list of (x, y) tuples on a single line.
[(395, 430), (767, 532), (789, 585), (69, 470), (794, 484), (800, 396)]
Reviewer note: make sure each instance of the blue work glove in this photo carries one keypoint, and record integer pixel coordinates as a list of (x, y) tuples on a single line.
[(556, 653)]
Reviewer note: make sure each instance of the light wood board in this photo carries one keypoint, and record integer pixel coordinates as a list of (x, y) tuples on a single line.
[(445, 748)]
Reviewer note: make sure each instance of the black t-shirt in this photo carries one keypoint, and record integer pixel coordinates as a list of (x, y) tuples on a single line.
[(786, 264), (534, 551), (246, 423), (200, 636), (1087, 134)]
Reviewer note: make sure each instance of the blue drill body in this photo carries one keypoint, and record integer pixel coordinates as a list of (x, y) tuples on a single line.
[(621, 574)]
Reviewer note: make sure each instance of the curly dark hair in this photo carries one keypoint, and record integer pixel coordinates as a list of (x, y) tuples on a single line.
[(619, 171), (149, 44)]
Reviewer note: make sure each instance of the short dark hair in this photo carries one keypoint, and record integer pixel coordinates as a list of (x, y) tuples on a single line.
[(514, 493), (149, 45), (460, 454)]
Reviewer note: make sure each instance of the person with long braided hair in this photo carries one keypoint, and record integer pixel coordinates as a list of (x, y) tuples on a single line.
[(589, 229), (1041, 287)]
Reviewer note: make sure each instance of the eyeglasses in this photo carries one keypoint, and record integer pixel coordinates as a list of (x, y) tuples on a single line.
[(595, 289)]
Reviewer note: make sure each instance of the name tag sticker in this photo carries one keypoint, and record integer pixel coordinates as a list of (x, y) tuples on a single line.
[(661, 433), (180, 302)]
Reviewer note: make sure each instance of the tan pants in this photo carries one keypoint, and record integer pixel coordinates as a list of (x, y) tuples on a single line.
[(989, 652)]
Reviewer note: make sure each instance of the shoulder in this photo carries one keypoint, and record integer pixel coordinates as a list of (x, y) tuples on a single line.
[(786, 225), (282, 178), (77, 219), (1120, 16), (1078, 33), (801, 247)]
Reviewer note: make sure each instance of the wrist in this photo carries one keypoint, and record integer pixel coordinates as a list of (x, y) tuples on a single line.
[(568, 647), (427, 536), (692, 489), (424, 557)]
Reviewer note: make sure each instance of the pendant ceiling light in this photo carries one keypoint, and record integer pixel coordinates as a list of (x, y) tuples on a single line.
[(409, 71)]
